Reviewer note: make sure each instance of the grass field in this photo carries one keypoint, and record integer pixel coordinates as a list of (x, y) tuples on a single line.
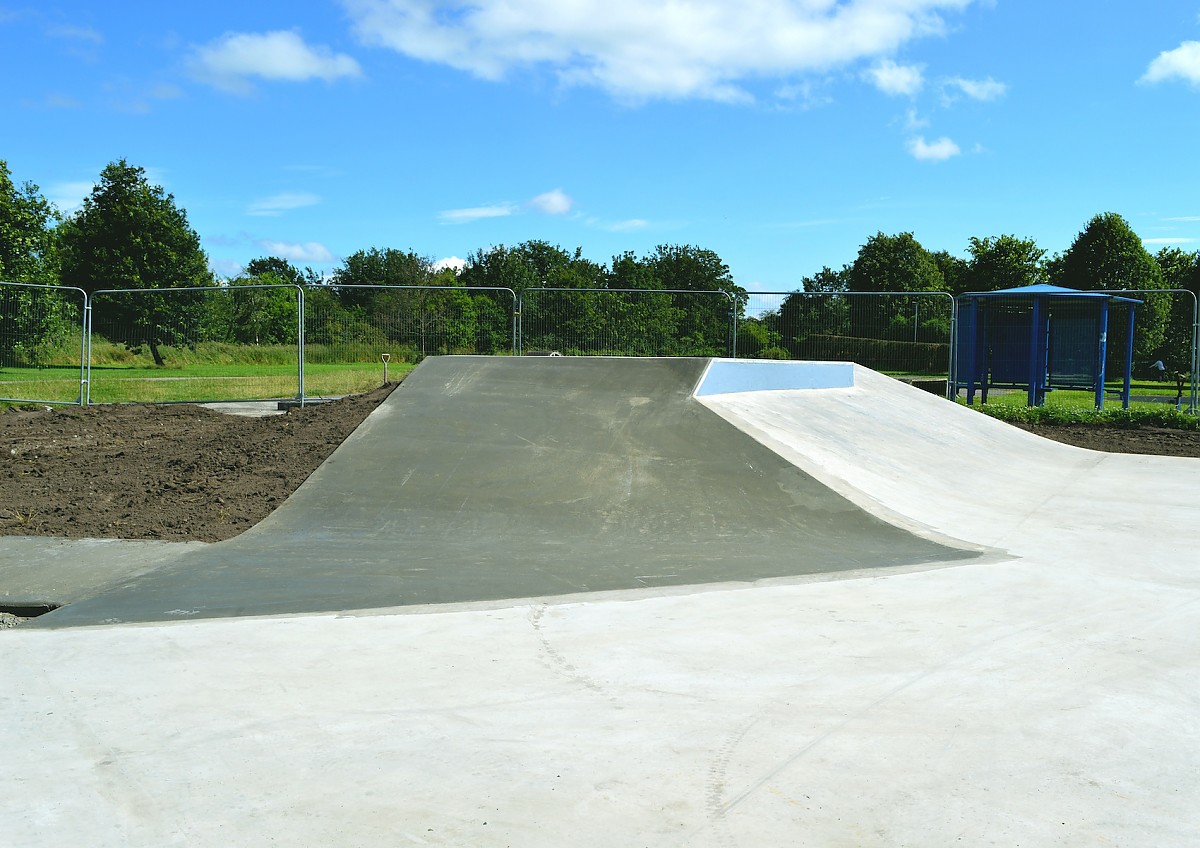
[(197, 382)]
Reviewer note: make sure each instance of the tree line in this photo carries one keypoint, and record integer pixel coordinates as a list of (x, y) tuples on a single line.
[(131, 234)]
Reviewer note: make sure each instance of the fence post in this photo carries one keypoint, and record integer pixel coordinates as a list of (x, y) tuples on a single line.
[(300, 344)]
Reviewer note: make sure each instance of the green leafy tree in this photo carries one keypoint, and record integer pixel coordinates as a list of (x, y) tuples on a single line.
[(819, 309), (377, 267), (32, 320), (890, 264), (704, 321), (262, 310), (550, 320), (954, 271), (283, 270), (129, 234), (1003, 262), (1180, 270), (27, 245), (1108, 255)]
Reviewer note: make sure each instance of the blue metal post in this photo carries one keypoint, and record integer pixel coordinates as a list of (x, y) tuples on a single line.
[(1102, 355), (1037, 368), (1128, 355)]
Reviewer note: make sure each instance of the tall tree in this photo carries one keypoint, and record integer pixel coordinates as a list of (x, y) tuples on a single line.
[(129, 234), (1003, 262), (1180, 270), (704, 321), (284, 271), (377, 267), (27, 222), (894, 264), (1108, 255), (31, 319), (890, 264)]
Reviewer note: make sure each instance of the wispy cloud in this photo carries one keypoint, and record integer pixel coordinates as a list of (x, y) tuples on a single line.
[(932, 151), (629, 225), (896, 80), (234, 59), (634, 50), (553, 202), (69, 196), (477, 213), (276, 205), (81, 34), (310, 251), (1184, 218), (1170, 240), (986, 89), (1182, 63)]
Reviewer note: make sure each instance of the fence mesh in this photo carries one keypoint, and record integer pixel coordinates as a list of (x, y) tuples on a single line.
[(626, 322), (41, 343), (188, 344), (1166, 332), (347, 329), (905, 335), (245, 342)]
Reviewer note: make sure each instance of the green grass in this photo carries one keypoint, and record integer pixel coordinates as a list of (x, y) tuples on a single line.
[(195, 382), (1076, 407)]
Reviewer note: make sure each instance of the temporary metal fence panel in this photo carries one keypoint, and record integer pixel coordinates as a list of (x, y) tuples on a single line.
[(627, 322), (905, 334), (42, 344), (348, 329), (219, 343), (1167, 330)]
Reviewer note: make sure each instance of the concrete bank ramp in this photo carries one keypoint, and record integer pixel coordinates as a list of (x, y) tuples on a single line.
[(482, 479)]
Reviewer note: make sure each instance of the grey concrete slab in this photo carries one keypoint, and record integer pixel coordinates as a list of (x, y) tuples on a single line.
[(491, 478), (38, 571), (1048, 702)]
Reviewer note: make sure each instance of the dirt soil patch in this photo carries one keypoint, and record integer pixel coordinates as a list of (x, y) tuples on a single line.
[(175, 472), (184, 472)]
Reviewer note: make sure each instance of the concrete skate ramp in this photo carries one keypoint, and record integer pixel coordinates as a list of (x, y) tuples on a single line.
[(482, 479)]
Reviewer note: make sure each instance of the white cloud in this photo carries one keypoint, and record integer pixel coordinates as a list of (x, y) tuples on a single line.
[(476, 213), (913, 121), (233, 59), (276, 205), (635, 49), (76, 33), (554, 202), (1181, 63), (310, 251), (987, 89), (932, 151), (69, 196), (450, 262), (1170, 241), (628, 226), (894, 80), (1187, 218), (807, 94)]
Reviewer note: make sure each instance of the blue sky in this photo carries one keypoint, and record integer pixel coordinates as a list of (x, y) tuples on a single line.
[(779, 134)]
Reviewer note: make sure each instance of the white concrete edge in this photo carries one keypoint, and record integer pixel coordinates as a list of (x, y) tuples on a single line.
[(606, 596), (820, 473)]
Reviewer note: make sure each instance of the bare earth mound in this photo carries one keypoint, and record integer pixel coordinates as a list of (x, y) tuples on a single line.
[(184, 472), (172, 472)]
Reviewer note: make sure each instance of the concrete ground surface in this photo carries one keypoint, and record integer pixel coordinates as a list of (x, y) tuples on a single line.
[(1045, 697), (483, 479)]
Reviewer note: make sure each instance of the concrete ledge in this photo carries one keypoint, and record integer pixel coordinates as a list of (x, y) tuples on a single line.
[(728, 376)]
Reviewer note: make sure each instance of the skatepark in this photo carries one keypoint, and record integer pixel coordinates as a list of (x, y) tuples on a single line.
[(548, 601)]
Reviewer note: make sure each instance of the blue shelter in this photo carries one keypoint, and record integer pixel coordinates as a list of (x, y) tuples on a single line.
[(1039, 338)]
